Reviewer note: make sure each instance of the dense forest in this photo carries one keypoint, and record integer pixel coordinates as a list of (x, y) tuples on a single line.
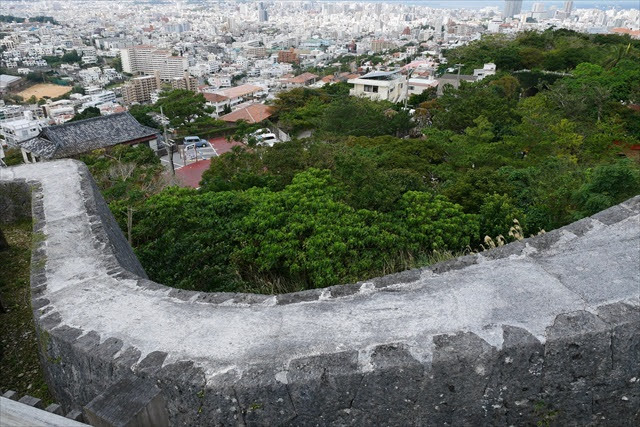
[(546, 141)]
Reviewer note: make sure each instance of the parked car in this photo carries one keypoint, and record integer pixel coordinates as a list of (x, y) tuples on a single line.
[(191, 140), (260, 132), (200, 150), (266, 140)]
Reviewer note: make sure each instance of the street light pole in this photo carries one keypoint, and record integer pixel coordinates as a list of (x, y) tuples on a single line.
[(169, 144)]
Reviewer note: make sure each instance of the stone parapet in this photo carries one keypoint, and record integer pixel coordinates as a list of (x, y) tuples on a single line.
[(542, 330)]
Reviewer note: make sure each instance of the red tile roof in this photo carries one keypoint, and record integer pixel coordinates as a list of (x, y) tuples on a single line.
[(238, 91), (214, 97), (303, 78), (254, 113)]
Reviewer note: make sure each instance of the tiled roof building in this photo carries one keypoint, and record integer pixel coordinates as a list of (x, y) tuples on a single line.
[(254, 113), (70, 139)]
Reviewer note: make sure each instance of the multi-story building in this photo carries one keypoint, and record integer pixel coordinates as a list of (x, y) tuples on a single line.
[(380, 45), (146, 59), (256, 51), (229, 98), (263, 16), (380, 85), (186, 82), (487, 70), (512, 8), (11, 112), (8, 82), (140, 89), (537, 11), (288, 57), (417, 85), (18, 130), (568, 7), (103, 97)]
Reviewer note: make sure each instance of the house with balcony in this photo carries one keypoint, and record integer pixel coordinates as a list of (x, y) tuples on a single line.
[(231, 97), (380, 86)]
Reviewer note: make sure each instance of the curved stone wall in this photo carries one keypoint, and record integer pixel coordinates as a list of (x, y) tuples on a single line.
[(546, 329)]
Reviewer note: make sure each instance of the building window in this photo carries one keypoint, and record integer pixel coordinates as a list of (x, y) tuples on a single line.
[(369, 88)]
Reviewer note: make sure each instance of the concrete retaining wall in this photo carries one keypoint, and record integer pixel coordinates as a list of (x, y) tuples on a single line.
[(543, 330)]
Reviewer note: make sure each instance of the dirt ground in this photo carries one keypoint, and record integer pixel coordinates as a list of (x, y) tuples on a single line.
[(20, 369), (44, 89)]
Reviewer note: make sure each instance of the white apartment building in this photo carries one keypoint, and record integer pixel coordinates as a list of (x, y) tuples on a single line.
[(145, 59), (11, 112), (231, 97), (380, 86), (488, 70), (103, 97), (60, 111), (417, 85), (19, 130)]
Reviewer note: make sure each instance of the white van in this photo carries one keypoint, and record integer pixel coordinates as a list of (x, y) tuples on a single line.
[(266, 140)]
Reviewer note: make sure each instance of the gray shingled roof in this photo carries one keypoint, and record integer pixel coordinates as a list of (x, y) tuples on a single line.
[(74, 138)]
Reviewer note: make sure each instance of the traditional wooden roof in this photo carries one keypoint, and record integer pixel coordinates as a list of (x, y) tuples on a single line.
[(74, 138)]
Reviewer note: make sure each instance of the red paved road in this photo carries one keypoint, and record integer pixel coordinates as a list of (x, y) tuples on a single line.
[(191, 175), (222, 145)]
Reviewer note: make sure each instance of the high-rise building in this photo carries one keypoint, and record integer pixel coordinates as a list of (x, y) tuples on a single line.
[(512, 8), (262, 13), (568, 7), (381, 45), (537, 7), (537, 11), (148, 59), (140, 89)]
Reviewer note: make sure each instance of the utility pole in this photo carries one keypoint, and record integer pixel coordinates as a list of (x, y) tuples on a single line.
[(459, 67), (169, 144), (406, 94)]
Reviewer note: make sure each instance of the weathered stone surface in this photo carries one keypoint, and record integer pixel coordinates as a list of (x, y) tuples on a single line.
[(14, 414), (11, 395), (32, 401), (54, 408), (395, 374), (323, 387), (545, 330), (75, 415), (128, 403)]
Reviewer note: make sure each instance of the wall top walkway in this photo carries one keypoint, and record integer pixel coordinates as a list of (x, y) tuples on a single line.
[(87, 280)]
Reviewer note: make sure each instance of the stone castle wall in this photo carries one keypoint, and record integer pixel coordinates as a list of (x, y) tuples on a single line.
[(542, 330)]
